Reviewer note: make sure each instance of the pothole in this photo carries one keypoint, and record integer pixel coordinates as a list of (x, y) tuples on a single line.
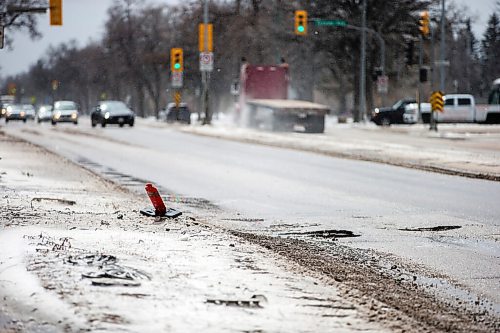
[(437, 228), (324, 234), (242, 219), (137, 185)]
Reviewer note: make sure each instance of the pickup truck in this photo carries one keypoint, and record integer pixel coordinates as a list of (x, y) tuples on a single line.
[(386, 116), (462, 108)]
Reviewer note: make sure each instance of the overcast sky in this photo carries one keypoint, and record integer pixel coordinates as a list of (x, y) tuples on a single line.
[(84, 21)]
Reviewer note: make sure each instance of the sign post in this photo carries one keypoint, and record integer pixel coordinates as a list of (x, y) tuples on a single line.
[(1, 36), (205, 46)]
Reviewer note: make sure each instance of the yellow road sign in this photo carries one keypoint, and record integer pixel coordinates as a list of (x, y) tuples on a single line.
[(177, 98), (208, 46), (55, 12), (437, 101)]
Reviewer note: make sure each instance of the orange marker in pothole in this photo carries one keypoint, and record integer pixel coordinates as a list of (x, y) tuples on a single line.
[(156, 200)]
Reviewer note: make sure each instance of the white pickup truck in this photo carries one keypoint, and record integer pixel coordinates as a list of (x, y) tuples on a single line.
[(462, 108)]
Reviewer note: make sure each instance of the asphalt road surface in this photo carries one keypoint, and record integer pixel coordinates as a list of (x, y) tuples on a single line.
[(285, 191)]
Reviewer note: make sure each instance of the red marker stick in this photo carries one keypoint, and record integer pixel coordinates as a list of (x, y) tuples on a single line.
[(156, 200)]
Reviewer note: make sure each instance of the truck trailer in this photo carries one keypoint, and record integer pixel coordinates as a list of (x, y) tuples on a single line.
[(264, 104)]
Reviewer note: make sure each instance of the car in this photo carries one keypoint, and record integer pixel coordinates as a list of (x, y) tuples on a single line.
[(391, 115), (65, 112), (180, 114), (30, 111), (3, 109), (15, 112), (44, 113), (112, 112)]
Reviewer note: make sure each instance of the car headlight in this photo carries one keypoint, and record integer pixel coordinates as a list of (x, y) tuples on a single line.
[(57, 115), (376, 110), (74, 115), (22, 113), (106, 115), (4, 111)]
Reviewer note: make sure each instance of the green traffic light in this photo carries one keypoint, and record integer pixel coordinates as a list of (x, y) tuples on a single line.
[(300, 28), (177, 66)]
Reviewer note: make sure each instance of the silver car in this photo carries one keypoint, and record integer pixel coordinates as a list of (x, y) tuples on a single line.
[(65, 112), (44, 113), (15, 112), (30, 111)]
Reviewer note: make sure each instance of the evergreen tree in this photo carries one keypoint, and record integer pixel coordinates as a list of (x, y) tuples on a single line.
[(490, 49)]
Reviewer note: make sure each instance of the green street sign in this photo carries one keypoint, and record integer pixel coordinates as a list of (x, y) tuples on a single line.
[(330, 23)]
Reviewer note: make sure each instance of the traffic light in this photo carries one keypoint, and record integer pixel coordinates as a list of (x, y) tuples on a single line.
[(410, 50), (55, 12), (423, 75), (423, 23), (176, 60), (300, 22)]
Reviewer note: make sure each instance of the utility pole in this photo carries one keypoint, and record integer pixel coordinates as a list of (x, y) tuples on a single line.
[(362, 75), (205, 75), (443, 46), (420, 63)]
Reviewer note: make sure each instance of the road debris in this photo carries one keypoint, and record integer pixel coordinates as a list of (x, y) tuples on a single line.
[(160, 210), (256, 301), (115, 282), (63, 201)]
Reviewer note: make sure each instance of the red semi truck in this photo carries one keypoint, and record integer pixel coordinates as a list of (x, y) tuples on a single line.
[(263, 102)]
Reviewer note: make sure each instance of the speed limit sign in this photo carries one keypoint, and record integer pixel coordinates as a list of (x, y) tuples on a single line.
[(206, 61)]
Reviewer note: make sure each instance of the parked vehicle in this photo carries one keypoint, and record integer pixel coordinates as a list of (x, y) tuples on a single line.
[(462, 108), (386, 116), (263, 102), (65, 111), (180, 114), (15, 112), (30, 111), (44, 113), (112, 112)]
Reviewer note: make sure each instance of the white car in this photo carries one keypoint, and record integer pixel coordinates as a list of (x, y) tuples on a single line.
[(29, 111), (65, 111), (44, 113)]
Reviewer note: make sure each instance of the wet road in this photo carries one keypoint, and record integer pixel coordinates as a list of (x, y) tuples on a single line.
[(298, 191)]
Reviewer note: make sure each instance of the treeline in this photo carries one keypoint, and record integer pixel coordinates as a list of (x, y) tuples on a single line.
[(131, 61)]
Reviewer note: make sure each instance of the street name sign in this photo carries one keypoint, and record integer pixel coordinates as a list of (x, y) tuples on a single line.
[(330, 23)]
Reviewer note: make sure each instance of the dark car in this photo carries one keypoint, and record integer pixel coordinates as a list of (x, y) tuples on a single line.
[(391, 115), (15, 112), (112, 112), (180, 114)]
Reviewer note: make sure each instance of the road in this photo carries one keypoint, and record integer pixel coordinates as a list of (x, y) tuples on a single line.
[(282, 191)]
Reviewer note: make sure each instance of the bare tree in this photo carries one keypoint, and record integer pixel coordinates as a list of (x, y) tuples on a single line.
[(15, 20)]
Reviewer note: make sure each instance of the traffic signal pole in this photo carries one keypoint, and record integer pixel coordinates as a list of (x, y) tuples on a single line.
[(362, 74), (205, 75), (420, 63)]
